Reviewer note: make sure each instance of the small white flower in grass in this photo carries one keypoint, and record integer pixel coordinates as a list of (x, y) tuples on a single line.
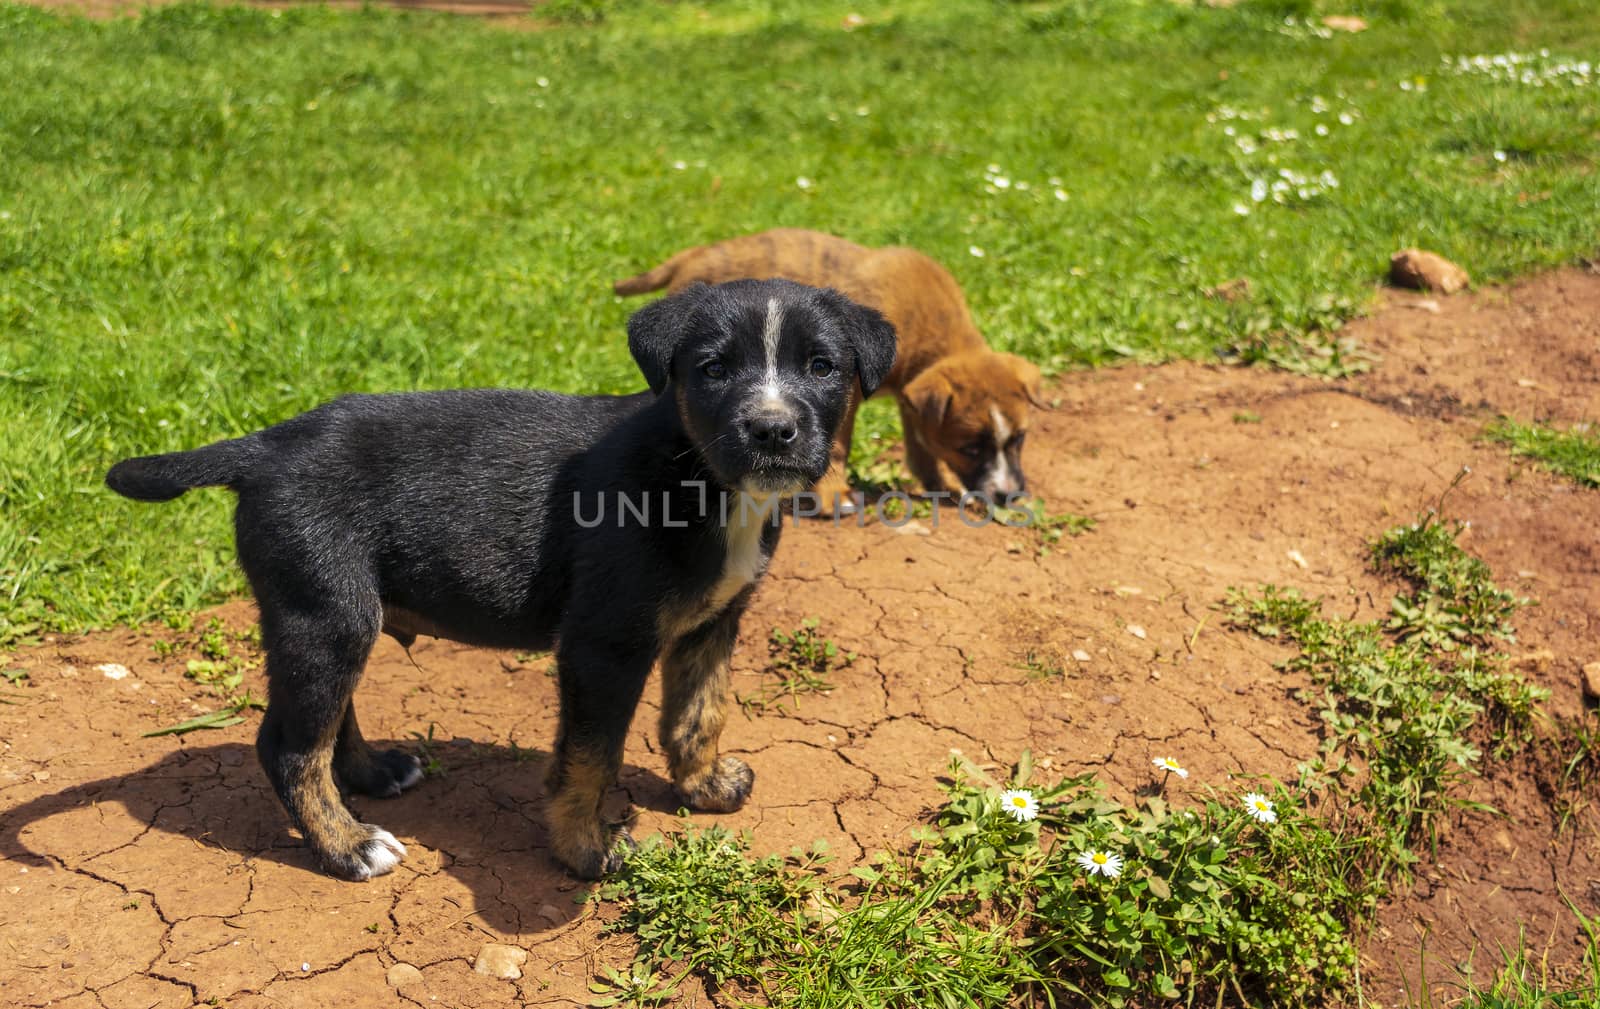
[(1102, 862), (976, 252), (1258, 806), (1061, 194), (803, 182), (1241, 210), (1170, 766), (1500, 156), (1019, 804)]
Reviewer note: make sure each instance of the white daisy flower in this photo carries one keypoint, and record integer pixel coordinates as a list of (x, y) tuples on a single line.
[(1500, 156), (1170, 766), (1061, 194), (1241, 210), (1258, 806), (803, 182), (976, 252), (1019, 804), (1102, 862)]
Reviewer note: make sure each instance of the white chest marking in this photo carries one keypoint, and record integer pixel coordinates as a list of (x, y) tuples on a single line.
[(742, 563)]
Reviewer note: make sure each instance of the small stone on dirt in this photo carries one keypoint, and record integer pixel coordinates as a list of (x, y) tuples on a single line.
[(1537, 661), (1136, 631), (503, 962), (549, 913), (1344, 23), (113, 670), (1591, 684), (1080, 655), (1298, 558), (1426, 271), (402, 974)]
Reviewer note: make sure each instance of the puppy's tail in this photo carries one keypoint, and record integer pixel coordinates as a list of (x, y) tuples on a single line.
[(650, 280), (164, 477)]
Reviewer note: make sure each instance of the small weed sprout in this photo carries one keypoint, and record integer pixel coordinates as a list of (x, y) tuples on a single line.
[(219, 671), (802, 660)]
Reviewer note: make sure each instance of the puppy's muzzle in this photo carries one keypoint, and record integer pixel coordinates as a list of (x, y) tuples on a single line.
[(773, 429)]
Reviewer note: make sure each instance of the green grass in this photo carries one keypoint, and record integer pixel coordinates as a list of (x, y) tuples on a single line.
[(1574, 453), (1212, 904), (212, 218)]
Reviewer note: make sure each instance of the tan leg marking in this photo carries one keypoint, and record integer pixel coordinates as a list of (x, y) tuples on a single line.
[(694, 687), (576, 784)]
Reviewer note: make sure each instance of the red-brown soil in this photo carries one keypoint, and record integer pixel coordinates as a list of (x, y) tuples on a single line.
[(159, 872)]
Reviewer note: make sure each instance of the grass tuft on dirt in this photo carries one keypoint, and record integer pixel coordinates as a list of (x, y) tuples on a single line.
[(216, 217), (1574, 453)]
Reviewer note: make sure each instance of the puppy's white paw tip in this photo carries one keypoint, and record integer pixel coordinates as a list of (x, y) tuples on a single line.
[(383, 852), (412, 776)]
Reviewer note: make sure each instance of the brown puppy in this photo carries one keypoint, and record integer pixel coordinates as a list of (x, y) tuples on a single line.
[(963, 407)]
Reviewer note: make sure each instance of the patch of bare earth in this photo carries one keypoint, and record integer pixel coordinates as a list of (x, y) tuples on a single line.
[(159, 872)]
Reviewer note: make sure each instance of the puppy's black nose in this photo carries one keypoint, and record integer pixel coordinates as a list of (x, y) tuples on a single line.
[(772, 429)]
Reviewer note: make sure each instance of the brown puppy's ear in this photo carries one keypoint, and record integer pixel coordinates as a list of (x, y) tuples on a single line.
[(656, 330), (929, 395), (1028, 374)]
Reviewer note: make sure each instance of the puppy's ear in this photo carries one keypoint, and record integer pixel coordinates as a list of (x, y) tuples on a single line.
[(1028, 374), (656, 330), (870, 334), (930, 394)]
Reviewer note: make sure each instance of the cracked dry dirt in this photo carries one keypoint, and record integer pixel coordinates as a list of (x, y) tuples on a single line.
[(159, 872)]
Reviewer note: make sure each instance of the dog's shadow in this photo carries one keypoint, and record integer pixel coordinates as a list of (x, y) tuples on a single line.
[(478, 816)]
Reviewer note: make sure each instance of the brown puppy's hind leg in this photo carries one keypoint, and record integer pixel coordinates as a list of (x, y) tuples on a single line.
[(694, 695), (833, 490)]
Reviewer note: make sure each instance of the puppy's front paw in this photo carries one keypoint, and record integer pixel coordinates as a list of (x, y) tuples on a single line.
[(593, 862), (377, 853), (723, 790)]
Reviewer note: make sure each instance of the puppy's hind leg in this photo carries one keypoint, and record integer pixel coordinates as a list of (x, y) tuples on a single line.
[(359, 767), (694, 694), (314, 658)]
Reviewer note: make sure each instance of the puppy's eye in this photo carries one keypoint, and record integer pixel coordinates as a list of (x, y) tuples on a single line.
[(821, 367), (972, 449), (714, 369)]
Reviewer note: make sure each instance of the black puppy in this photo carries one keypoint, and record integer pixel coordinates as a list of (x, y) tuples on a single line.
[(619, 529)]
